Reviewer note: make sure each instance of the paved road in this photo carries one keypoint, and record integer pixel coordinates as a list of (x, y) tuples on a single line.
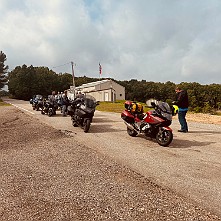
[(191, 166)]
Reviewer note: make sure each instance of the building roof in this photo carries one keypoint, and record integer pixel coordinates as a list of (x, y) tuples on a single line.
[(91, 84)]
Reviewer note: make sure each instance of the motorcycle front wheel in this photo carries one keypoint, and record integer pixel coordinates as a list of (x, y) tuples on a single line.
[(74, 124), (86, 126), (164, 137)]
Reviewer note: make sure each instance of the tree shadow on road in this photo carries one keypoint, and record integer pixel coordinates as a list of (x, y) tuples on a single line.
[(103, 128)]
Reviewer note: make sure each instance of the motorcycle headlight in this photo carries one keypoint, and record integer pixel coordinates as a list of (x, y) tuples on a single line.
[(83, 107)]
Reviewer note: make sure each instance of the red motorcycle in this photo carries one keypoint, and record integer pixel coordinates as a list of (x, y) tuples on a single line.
[(154, 123)]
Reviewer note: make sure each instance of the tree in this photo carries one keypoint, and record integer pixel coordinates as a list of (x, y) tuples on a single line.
[(65, 81), (21, 81), (3, 70), (24, 82)]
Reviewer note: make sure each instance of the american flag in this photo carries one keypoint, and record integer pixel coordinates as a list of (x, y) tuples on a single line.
[(100, 69)]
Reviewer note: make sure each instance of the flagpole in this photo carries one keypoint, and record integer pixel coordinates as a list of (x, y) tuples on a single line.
[(100, 70), (72, 67)]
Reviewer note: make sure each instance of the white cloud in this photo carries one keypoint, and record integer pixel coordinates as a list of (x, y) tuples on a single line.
[(156, 40)]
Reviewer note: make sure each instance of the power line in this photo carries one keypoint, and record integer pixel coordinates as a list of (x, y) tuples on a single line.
[(61, 65)]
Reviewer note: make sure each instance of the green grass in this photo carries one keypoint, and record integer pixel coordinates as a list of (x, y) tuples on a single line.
[(116, 107), (2, 103)]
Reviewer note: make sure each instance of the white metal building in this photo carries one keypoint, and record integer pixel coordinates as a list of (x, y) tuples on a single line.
[(104, 90)]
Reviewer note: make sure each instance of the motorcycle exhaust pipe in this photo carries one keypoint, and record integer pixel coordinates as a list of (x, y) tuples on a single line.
[(131, 127)]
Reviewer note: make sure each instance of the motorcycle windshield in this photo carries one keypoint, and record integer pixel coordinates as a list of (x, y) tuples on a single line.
[(39, 97), (90, 101), (165, 110)]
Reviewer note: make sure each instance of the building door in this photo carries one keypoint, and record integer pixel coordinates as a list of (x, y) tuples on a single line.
[(106, 96)]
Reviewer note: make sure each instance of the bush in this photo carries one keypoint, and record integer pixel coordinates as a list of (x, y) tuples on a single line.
[(197, 109), (4, 93), (207, 108)]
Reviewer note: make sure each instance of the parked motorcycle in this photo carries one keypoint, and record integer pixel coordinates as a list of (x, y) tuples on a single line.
[(154, 123), (37, 102), (82, 111), (49, 108)]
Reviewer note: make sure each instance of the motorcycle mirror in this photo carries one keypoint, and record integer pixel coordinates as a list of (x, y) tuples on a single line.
[(153, 104)]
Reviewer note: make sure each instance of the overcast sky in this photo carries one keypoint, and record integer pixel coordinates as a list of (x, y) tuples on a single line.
[(153, 40)]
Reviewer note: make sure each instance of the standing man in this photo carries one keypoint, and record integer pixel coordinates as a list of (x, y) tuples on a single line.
[(52, 98), (65, 103), (53, 101), (182, 102)]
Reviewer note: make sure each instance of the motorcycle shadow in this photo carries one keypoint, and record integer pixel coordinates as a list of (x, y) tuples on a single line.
[(54, 115), (204, 132), (101, 119), (180, 143)]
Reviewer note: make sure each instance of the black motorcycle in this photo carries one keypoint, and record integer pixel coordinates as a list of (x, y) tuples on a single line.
[(82, 111), (49, 108), (37, 102)]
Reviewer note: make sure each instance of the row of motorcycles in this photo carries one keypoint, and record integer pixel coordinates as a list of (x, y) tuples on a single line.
[(154, 123), (81, 109), (38, 102)]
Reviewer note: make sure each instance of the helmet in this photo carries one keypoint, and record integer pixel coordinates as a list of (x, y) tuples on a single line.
[(128, 105), (175, 109)]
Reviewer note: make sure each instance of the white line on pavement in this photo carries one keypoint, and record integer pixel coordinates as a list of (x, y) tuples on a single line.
[(20, 108)]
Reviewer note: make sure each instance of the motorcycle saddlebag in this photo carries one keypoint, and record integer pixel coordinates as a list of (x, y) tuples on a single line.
[(127, 116)]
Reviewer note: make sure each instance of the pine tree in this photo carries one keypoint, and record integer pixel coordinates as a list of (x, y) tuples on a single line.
[(3, 70)]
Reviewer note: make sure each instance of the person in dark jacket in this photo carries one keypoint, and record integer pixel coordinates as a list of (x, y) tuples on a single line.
[(65, 103), (52, 99), (183, 103)]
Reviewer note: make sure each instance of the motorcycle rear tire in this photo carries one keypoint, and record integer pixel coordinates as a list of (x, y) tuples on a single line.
[(132, 133), (42, 112), (86, 126), (50, 112), (164, 138)]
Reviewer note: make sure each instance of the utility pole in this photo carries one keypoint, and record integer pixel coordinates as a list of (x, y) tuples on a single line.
[(72, 67)]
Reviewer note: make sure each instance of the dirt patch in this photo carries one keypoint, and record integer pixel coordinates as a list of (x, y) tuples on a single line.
[(203, 118)]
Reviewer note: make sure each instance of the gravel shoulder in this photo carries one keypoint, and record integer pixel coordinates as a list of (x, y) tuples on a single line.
[(47, 174), (204, 118)]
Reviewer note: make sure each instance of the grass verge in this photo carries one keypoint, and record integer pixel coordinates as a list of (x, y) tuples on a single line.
[(116, 107), (2, 103)]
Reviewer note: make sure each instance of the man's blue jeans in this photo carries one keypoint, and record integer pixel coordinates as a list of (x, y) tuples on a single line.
[(182, 120), (64, 109)]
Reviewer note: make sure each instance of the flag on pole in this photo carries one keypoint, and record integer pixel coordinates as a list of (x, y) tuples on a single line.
[(100, 69)]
